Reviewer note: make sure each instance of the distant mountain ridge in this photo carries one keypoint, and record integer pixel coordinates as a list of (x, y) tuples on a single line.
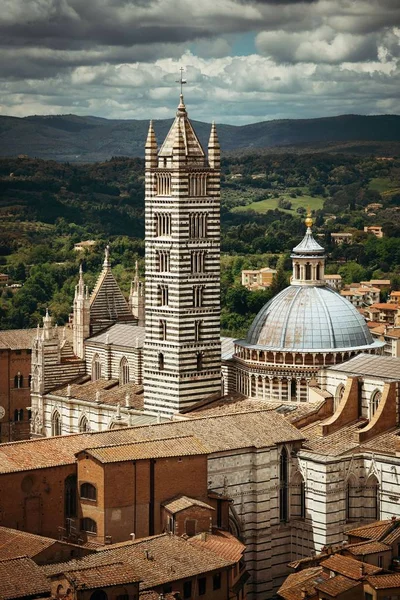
[(89, 139)]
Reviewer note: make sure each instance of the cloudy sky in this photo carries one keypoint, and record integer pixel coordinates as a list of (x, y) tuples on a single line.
[(244, 60)]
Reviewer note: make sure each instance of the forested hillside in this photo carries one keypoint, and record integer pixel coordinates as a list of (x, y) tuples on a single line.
[(69, 138), (46, 207)]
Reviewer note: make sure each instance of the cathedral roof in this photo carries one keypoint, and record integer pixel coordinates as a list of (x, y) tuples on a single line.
[(307, 318), (385, 367), (120, 334), (107, 302), (191, 142)]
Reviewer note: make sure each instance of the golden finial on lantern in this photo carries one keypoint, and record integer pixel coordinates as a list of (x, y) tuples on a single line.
[(309, 222)]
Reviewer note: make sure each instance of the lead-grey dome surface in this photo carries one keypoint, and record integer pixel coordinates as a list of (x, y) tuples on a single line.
[(309, 318)]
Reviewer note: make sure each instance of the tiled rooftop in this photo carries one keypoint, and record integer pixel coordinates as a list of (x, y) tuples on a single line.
[(177, 446), (374, 531), (380, 582), (349, 567), (222, 543), (182, 502), (257, 429), (21, 577), (367, 548), (22, 339), (115, 573), (14, 543), (303, 581), (336, 585), (110, 392), (373, 365), (157, 560)]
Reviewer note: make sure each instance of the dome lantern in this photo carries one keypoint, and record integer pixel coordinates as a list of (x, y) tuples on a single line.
[(308, 259)]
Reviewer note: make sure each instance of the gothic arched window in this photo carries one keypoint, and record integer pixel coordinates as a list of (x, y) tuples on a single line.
[(83, 424), (376, 397), (352, 499), (123, 371), (371, 498), (56, 426), (283, 485), (96, 368)]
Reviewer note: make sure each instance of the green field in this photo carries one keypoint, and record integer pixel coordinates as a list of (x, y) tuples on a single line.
[(314, 202), (384, 185)]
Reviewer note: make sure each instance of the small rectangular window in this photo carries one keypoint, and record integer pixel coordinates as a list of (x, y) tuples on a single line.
[(217, 581), (202, 586), (187, 589)]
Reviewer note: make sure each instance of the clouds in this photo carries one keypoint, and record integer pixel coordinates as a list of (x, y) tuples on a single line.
[(120, 58)]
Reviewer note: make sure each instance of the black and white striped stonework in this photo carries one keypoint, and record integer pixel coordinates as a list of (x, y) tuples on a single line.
[(182, 352)]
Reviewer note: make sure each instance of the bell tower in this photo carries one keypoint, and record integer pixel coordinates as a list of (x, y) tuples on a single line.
[(182, 352)]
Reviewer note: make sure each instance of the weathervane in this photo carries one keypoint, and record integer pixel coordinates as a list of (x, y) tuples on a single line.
[(181, 80)]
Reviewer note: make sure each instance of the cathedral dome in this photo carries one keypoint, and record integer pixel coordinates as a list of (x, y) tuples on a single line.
[(309, 318)]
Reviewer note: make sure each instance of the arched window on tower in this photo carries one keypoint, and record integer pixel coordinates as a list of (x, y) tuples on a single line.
[(18, 380), (56, 425), (308, 272), (283, 485), (96, 368), (88, 525), (297, 271), (199, 361), (318, 271), (123, 371), (161, 361)]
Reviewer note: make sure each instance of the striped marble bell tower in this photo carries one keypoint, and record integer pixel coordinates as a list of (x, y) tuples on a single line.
[(182, 353)]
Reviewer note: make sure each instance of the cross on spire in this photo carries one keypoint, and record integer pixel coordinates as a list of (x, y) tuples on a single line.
[(181, 81)]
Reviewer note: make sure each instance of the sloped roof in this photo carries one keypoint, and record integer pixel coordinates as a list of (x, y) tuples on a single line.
[(182, 502), (107, 302), (349, 567), (308, 245), (222, 543), (21, 577)]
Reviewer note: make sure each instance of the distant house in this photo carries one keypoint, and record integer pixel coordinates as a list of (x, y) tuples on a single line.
[(391, 337), (3, 279), (334, 281), (383, 312), (374, 230), (86, 245), (255, 279), (394, 297), (379, 283), (361, 294), (373, 207), (342, 238)]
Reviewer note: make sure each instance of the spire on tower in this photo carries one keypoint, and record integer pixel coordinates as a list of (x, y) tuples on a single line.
[(107, 262), (214, 149), (178, 149), (151, 148)]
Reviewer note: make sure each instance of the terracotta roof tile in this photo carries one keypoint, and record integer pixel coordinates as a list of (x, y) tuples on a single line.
[(349, 567), (104, 575), (373, 531), (394, 535), (157, 560), (20, 577), (337, 585), (110, 392), (182, 502), (22, 339), (15, 543), (177, 446), (257, 429), (222, 543), (380, 582), (367, 548), (303, 581)]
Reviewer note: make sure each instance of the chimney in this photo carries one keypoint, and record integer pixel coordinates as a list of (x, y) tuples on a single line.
[(304, 593), (132, 535)]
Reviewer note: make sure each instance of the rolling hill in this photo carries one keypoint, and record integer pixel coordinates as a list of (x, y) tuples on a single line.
[(70, 138)]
